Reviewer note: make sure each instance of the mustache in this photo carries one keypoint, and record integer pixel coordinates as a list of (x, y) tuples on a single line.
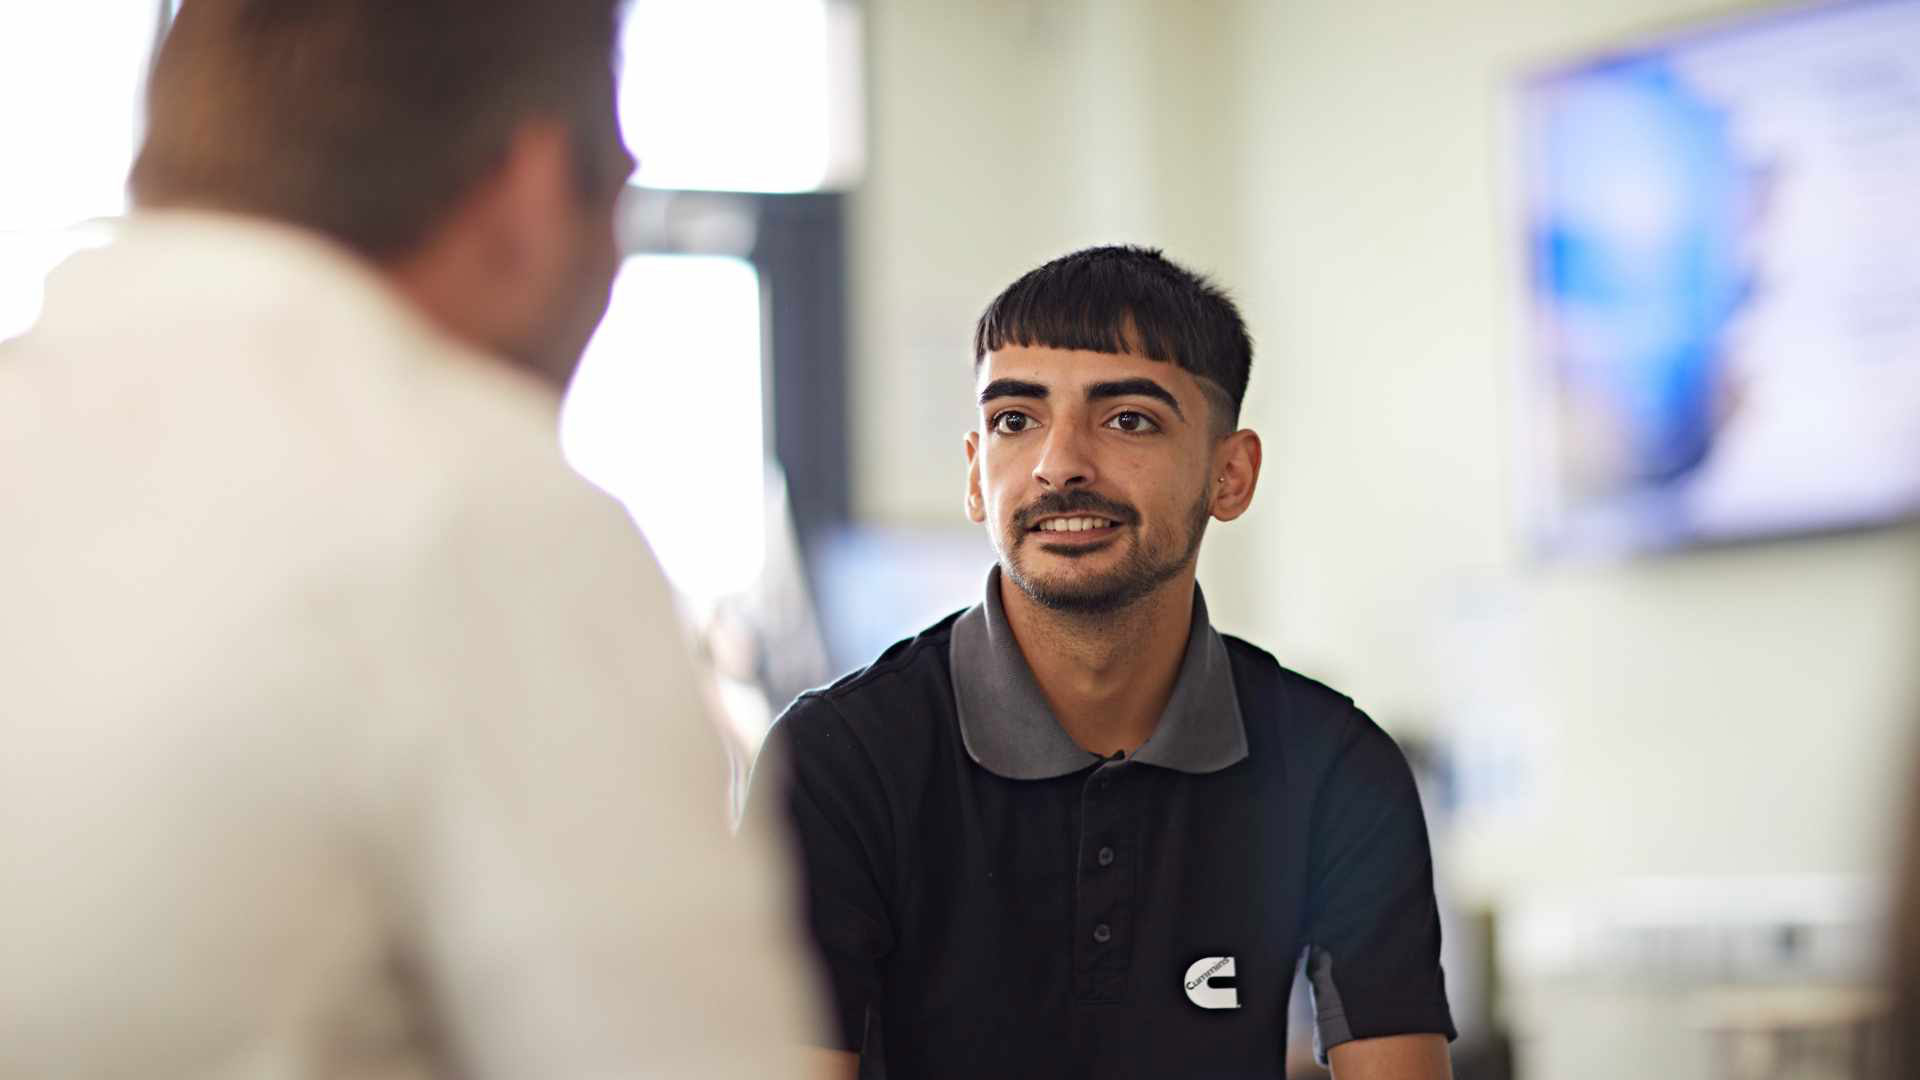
[(1074, 502)]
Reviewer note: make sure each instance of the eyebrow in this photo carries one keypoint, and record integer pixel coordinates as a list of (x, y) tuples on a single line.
[(1000, 388), (1135, 388)]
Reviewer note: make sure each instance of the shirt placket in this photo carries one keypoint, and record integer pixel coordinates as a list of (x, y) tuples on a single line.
[(1104, 885)]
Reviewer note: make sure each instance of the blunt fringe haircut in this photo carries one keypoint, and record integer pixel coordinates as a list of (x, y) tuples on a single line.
[(368, 120), (1125, 299)]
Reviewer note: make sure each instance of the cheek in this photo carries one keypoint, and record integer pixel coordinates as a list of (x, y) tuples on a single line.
[(603, 253), (1000, 472), (598, 261), (1163, 490)]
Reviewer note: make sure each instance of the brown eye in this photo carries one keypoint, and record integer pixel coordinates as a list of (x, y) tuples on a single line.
[(1011, 422), (1133, 422)]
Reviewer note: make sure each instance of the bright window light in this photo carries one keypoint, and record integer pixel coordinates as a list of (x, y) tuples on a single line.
[(71, 83), (665, 414), (743, 95), (72, 78), (25, 261)]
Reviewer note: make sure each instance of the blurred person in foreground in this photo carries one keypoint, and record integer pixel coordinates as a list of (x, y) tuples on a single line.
[(1074, 830), (1902, 1027), (347, 733)]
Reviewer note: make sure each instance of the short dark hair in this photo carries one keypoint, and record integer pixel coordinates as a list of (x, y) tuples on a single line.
[(1125, 299), (367, 120)]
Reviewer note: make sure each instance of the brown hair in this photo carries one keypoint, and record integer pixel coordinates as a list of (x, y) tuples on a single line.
[(367, 120)]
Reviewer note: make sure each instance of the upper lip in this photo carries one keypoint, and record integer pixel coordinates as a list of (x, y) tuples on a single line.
[(1056, 506)]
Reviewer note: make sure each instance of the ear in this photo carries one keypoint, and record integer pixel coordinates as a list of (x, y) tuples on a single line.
[(524, 216), (491, 270), (1236, 472), (976, 502)]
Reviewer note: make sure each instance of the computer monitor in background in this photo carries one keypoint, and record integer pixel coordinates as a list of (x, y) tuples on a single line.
[(1723, 249)]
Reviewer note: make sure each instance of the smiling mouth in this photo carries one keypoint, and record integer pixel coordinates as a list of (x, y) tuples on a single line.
[(1084, 527)]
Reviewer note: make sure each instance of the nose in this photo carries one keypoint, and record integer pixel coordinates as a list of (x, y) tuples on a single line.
[(1064, 461)]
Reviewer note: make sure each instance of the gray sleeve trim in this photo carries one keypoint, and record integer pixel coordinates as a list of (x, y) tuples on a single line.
[(1330, 1027)]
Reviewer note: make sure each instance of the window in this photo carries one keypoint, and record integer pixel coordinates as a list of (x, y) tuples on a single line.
[(665, 414), (71, 82), (743, 95)]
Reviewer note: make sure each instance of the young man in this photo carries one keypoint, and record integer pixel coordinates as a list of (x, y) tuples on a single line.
[(1075, 831), (347, 732)]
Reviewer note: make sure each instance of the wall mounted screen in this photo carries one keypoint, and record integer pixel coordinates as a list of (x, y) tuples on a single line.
[(1723, 252)]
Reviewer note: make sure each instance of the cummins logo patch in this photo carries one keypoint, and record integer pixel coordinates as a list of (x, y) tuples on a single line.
[(1201, 980)]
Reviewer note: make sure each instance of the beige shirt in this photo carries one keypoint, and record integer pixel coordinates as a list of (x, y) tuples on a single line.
[(344, 732)]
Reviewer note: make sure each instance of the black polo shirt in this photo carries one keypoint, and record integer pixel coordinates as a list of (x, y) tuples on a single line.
[(989, 899)]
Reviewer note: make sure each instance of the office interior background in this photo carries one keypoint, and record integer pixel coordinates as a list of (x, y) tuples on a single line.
[(1620, 549)]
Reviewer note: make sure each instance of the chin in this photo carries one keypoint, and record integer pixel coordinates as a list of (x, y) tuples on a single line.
[(1085, 593), (1082, 601)]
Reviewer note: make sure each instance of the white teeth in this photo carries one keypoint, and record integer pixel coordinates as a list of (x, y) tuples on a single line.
[(1078, 524)]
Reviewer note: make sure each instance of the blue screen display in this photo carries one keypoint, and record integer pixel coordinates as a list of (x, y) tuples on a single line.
[(1723, 240)]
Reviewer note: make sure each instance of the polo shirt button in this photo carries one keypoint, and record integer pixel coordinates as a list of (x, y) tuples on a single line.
[(1103, 933), (1106, 856)]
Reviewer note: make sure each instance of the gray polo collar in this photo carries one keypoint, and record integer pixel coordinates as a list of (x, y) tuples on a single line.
[(1009, 729)]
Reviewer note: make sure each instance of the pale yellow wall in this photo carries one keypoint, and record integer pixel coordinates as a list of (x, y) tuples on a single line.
[(1003, 133), (1338, 163)]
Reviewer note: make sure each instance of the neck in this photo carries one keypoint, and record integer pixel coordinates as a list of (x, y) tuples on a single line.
[(434, 287), (450, 279), (1107, 677)]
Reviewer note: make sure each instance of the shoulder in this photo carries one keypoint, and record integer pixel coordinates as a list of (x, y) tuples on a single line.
[(483, 529), (1271, 694), (1317, 726), (485, 479), (907, 676), (893, 704), (872, 732)]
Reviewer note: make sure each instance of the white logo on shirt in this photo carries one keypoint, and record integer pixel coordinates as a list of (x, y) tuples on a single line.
[(1200, 988)]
